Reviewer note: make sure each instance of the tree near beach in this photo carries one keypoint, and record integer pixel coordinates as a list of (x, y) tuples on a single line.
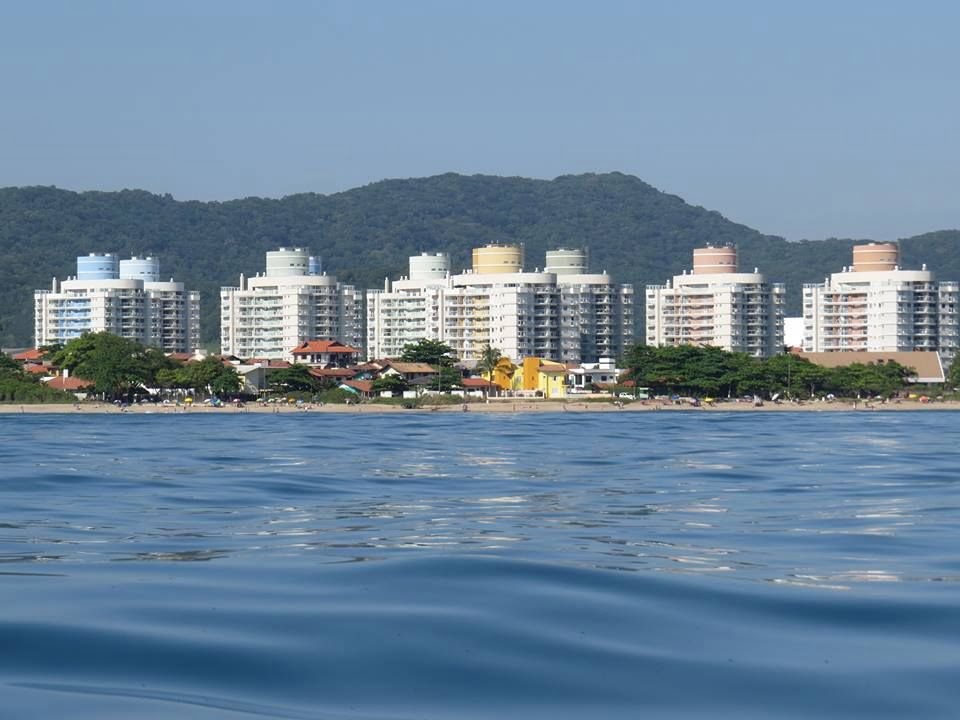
[(431, 352), (116, 366), (489, 359), (704, 371)]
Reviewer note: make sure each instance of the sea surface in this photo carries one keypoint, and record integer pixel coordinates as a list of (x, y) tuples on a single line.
[(468, 565)]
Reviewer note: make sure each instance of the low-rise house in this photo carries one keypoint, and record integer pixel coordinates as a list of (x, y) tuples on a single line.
[(407, 370), (503, 373), (31, 355), (336, 374), (325, 353), (78, 386), (583, 377), (361, 388), (545, 378), (480, 386)]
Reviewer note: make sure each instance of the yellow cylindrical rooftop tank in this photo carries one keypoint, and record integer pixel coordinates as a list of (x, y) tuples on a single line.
[(491, 259)]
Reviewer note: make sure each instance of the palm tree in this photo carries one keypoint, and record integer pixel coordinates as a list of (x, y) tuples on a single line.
[(489, 358)]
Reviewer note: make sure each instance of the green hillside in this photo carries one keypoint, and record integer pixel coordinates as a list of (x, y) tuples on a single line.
[(636, 232)]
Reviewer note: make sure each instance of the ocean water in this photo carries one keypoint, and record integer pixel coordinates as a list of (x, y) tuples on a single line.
[(466, 565)]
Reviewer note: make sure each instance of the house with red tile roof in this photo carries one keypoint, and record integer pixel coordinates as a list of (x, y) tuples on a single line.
[(32, 355), (70, 384), (333, 373), (325, 353)]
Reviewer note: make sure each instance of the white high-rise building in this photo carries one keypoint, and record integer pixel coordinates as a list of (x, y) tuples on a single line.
[(561, 313), (716, 305), (875, 305), (122, 297), (269, 315)]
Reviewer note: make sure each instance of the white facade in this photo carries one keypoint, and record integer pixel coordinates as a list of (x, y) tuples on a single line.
[(881, 310), (717, 306), (117, 298), (267, 316), (567, 317)]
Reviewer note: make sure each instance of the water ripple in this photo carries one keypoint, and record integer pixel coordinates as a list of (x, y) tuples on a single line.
[(474, 566)]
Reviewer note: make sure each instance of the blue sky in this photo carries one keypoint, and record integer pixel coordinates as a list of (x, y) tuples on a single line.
[(806, 120)]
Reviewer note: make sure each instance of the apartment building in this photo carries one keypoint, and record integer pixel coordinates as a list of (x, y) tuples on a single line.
[(270, 314), (122, 297), (561, 312), (717, 305), (877, 306)]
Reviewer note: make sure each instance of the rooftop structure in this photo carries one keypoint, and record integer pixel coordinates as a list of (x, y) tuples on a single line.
[(562, 312), (268, 315), (875, 305), (717, 305), (122, 297)]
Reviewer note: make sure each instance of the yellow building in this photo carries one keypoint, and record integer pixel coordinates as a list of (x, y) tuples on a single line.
[(545, 376), (503, 374)]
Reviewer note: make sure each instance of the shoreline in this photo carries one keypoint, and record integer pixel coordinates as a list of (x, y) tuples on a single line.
[(496, 406)]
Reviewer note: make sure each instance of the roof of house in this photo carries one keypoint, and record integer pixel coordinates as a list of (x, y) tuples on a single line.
[(548, 366), (927, 364), (411, 367), (36, 369), (333, 372), (180, 356), (364, 386), (31, 355), (267, 363), (69, 384), (479, 383), (424, 381), (310, 347)]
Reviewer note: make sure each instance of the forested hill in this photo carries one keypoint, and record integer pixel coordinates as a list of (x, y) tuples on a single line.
[(632, 230)]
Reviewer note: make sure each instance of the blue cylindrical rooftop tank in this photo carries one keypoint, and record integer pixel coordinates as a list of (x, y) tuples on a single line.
[(97, 266)]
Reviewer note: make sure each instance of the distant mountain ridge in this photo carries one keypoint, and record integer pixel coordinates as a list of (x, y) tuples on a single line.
[(634, 231)]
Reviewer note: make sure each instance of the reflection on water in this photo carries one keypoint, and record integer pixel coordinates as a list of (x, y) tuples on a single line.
[(469, 566), (764, 516)]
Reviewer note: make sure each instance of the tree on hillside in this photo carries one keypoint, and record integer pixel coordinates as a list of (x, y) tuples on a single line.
[(637, 232)]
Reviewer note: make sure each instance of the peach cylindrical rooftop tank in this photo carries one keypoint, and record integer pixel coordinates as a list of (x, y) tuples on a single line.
[(713, 260), (875, 256), (491, 259)]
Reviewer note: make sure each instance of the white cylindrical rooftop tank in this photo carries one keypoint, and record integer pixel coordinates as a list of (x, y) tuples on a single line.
[(288, 261), (140, 268), (97, 266), (566, 262), (429, 266)]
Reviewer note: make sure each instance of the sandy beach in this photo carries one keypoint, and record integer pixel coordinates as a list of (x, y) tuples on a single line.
[(494, 406)]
